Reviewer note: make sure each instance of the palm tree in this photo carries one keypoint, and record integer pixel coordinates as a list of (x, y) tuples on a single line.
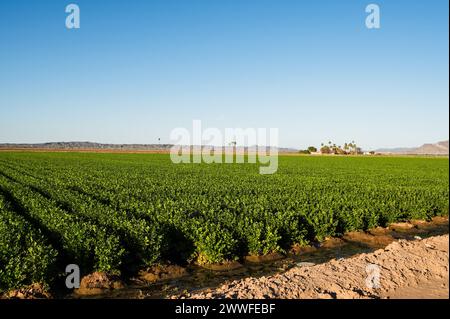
[(352, 147)]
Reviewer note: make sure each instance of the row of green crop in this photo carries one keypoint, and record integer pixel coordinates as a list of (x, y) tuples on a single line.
[(26, 256), (87, 244), (141, 239), (110, 212)]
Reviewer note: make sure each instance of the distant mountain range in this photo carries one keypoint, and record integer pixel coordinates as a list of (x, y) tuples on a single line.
[(118, 147), (440, 148), (86, 146)]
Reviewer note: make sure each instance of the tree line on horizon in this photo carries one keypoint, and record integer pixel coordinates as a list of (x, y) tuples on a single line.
[(331, 148)]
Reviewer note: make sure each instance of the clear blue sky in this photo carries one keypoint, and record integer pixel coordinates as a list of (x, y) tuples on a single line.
[(137, 69)]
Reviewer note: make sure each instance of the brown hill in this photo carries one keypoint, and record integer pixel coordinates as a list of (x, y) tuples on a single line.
[(440, 148)]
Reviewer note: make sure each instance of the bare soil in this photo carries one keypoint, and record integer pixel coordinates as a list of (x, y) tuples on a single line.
[(407, 269), (224, 266), (98, 283), (34, 291), (160, 272)]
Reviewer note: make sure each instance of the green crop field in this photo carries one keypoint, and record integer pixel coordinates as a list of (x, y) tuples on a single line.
[(122, 212)]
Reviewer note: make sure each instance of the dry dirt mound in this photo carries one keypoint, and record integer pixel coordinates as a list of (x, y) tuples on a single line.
[(98, 283), (159, 272), (404, 269), (34, 291)]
